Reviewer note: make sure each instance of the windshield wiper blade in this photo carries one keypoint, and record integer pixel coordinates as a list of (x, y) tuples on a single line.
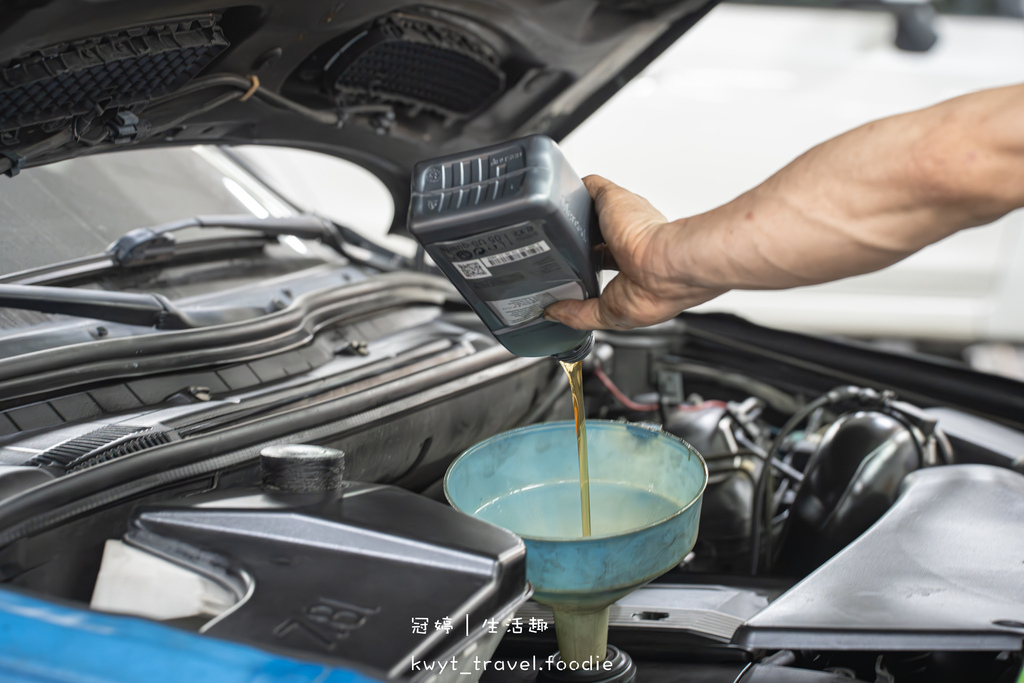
[(144, 310), (147, 245), (156, 244), (142, 246), (87, 268)]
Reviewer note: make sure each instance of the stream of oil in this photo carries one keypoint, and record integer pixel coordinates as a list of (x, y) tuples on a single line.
[(575, 373)]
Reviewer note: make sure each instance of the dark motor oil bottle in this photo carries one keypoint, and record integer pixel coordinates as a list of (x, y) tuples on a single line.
[(513, 228)]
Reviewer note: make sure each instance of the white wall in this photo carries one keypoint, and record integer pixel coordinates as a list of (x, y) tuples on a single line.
[(334, 188), (750, 88)]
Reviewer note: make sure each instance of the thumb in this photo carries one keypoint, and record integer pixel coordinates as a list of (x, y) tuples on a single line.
[(579, 315)]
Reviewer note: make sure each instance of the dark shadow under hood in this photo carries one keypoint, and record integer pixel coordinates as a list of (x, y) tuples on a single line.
[(382, 83)]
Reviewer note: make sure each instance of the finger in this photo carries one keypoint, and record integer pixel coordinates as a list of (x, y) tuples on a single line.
[(615, 309), (620, 211), (579, 315), (607, 258), (598, 186), (603, 191)]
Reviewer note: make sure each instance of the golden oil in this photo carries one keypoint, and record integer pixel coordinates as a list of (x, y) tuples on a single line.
[(575, 373)]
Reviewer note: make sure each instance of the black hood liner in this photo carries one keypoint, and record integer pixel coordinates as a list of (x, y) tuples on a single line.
[(382, 83), (104, 72)]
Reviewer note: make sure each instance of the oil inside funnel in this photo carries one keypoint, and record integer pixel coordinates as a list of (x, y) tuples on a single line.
[(645, 493)]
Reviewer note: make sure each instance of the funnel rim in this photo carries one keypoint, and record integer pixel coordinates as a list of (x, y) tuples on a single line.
[(583, 539)]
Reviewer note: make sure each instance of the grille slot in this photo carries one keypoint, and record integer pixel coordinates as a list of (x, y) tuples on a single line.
[(411, 61), (101, 445), (108, 71)]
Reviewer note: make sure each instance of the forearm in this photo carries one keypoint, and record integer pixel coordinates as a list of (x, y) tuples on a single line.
[(852, 205), (863, 200)]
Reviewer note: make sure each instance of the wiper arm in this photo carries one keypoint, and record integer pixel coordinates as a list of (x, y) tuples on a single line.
[(144, 310), (147, 245)]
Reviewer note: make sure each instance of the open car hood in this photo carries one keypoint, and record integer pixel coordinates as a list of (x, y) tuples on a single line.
[(382, 83)]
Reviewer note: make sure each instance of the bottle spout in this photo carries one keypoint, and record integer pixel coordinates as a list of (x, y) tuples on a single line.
[(578, 352)]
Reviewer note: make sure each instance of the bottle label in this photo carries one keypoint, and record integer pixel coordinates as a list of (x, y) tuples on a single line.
[(515, 270), (521, 309)]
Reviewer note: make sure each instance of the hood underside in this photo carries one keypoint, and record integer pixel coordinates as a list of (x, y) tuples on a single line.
[(382, 83)]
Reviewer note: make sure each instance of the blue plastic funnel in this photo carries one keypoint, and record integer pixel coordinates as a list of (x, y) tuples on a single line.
[(645, 493)]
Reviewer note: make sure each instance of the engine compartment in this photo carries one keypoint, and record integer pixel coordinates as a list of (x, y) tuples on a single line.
[(809, 478)]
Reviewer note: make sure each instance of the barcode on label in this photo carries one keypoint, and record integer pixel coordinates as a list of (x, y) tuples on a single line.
[(516, 254), (472, 270)]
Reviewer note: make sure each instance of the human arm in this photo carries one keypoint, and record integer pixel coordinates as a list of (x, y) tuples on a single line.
[(852, 205)]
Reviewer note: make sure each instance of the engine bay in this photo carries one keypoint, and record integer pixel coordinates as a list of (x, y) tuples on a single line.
[(850, 530)]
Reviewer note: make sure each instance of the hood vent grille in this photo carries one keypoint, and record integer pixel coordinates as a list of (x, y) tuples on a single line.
[(420, 63), (100, 73), (101, 445)]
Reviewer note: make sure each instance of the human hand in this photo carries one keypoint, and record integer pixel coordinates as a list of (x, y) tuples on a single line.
[(651, 286)]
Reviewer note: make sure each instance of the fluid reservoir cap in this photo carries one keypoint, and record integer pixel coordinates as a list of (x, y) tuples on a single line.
[(301, 468)]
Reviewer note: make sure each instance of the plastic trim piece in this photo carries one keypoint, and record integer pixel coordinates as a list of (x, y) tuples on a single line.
[(370, 558), (791, 360), (68, 497), (282, 330), (941, 570)]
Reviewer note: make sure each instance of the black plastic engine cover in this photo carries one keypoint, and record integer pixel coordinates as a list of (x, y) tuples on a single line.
[(341, 577)]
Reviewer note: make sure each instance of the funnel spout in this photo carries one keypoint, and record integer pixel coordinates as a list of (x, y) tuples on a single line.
[(582, 636)]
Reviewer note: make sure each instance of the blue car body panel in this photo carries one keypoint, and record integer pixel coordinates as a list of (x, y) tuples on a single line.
[(43, 642)]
